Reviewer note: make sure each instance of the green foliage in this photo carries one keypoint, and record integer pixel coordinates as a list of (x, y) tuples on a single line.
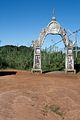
[(77, 58), (22, 58), (53, 61), (16, 57)]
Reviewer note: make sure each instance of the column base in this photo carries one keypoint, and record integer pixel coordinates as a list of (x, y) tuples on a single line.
[(36, 70), (70, 70)]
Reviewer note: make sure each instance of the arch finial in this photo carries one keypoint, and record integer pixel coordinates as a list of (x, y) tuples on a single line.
[(54, 18)]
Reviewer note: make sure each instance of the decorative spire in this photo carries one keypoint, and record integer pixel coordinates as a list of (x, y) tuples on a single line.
[(54, 18)]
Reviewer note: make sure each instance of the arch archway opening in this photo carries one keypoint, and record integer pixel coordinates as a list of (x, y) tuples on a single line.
[(52, 54)]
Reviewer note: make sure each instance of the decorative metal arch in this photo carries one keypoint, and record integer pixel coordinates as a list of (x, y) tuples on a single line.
[(53, 28)]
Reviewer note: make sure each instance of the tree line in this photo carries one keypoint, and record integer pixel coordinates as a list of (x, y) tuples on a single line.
[(16, 57), (21, 57)]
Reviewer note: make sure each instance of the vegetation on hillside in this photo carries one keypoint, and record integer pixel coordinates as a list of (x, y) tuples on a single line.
[(16, 57), (22, 58)]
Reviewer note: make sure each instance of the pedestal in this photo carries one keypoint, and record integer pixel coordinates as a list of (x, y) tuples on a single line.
[(69, 60), (37, 60)]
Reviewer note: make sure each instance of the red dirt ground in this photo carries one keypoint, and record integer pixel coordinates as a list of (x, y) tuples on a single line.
[(50, 96)]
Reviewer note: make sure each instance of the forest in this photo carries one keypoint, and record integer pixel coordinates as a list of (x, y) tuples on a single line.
[(21, 57)]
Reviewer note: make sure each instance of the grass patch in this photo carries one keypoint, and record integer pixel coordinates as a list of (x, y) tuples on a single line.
[(52, 108)]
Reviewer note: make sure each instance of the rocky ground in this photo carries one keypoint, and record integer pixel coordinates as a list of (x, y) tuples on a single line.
[(49, 96)]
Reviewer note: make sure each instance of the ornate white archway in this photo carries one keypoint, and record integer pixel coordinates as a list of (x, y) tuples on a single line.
[(53, 28)]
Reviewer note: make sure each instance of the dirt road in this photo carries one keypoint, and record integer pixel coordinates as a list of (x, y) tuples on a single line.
[(50, 96)]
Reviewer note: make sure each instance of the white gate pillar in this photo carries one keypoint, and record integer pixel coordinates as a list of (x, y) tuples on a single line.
[(69, 60), (37, 60)]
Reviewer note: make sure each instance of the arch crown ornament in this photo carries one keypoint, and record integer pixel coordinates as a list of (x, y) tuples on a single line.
[(53, 28)]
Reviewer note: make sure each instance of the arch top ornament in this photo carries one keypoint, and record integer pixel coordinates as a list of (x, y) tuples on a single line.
[(53, 28)]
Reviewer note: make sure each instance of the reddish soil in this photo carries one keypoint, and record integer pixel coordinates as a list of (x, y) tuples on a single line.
[(34, 96)]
